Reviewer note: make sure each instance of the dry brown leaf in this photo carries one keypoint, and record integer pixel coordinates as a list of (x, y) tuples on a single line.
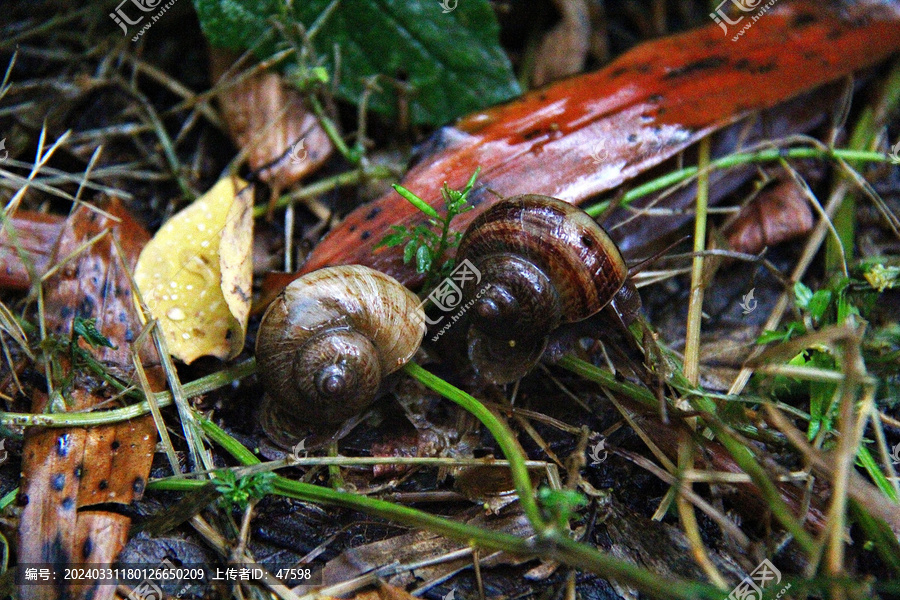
[(420, 546), (72, 476), (196, 272), (270, 122)]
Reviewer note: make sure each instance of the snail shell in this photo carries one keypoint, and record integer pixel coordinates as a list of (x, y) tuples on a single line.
[(543, 263), (327, 342)]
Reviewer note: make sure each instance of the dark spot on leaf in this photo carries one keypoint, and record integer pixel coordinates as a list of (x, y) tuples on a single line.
[(239, 291), (373, 213), (587, 241), (22, 500), (618, 72), (138, 485), (366, 235), (352, 228), (123, 317), (65, 312), (103, 484), (749, 66), (632, 138), (534, 133), (115, 445), (58, 482), (228, 335), (68, 503), (62, 445), (129, 335), (655, 98), (87, 547), (86, 308), (79, 471), (55, 553), (804, 19), (704, 64)]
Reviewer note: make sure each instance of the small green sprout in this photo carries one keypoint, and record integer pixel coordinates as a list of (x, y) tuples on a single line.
[(86, 329), (560, 505), (239, 492), (428, 243)]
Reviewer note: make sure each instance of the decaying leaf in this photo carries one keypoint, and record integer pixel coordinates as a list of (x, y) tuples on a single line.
[(196, 272), (271, 123), (564, 49), (419, 547), (72, 476), (777, 214)]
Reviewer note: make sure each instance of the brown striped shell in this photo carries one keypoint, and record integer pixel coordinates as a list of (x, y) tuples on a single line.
[(543, 262), (327, 342)]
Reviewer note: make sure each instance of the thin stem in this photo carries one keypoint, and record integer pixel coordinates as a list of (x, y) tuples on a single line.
[(501, 432), (695, 305), (741, 454), (552, 544), (326, 185), (734, 160), (195, 388)]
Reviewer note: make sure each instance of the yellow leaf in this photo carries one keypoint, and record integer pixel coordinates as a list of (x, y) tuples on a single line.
[(196, 273)]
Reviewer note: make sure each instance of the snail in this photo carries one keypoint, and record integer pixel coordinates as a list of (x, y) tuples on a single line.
[(327, 342), (543, 263)]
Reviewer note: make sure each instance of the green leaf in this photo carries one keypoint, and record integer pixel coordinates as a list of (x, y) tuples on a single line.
[(771, 336), (779, 335), (452, 62), (400, 235), (802, 294), (87, 329), (818, 304), (423, 259), (416, 201), (409, 251)]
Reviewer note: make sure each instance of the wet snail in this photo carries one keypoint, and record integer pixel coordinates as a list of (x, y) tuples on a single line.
[(327, 342), (543, 263)]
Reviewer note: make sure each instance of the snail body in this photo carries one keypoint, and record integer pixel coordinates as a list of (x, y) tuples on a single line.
[(543, 263), (327, 342)]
